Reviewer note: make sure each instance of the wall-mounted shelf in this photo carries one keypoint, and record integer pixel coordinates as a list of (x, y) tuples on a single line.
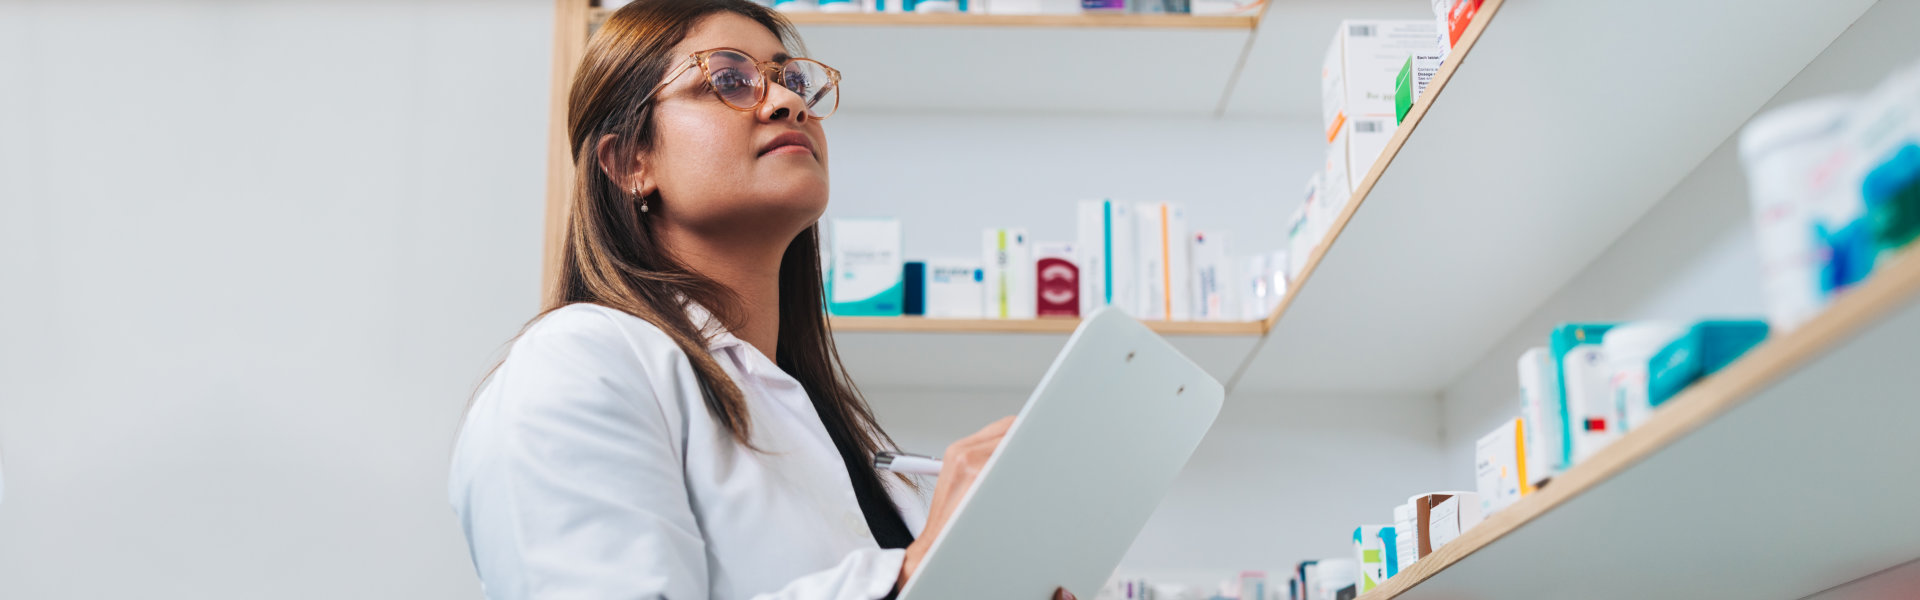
[(913, 352), (1755, 483), (1524, 160), (1039, 326), (1096, 20), (992, 356), (885, 59)]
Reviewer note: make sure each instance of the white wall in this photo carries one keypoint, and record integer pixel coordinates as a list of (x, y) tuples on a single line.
[(948, 176), (253, 258), (1692, 255), (1276, 481)]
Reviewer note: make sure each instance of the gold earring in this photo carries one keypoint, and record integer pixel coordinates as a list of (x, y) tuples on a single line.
[(643, 200)]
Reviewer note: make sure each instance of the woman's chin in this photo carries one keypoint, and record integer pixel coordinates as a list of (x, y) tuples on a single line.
[(798, 190)]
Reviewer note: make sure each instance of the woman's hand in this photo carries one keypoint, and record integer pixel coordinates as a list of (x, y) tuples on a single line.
[(958, 468)]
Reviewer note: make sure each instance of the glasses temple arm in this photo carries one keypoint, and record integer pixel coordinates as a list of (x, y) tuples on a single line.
[(691, 62)]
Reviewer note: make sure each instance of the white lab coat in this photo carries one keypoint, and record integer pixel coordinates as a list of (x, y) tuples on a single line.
[(589, 468)]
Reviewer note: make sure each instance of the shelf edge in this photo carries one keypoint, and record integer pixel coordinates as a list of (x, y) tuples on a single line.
[(1886, 291), (1107, 21), (1055, 326)]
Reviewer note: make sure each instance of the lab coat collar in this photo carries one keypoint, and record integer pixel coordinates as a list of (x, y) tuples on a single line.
[(911, 503)]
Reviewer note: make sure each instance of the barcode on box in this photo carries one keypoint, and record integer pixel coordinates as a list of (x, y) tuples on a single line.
[(1360, 30), (1366, 127)]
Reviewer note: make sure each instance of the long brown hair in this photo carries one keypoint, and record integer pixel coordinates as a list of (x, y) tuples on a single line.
[(611, 258)]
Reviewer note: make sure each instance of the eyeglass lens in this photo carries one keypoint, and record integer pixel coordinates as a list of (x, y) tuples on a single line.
[(734, 77), (737, 80)]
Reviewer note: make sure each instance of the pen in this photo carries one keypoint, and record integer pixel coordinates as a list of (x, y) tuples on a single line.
[(910, 464)]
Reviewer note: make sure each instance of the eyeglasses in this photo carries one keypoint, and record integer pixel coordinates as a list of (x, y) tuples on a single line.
[(741, 82)]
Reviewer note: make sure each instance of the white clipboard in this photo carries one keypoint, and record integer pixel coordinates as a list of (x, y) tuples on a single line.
[(1085, 464)]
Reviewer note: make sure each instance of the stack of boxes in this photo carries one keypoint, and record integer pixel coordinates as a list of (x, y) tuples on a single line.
[(1362, 100)]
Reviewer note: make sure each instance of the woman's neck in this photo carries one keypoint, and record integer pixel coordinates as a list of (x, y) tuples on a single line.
[(752, 272)]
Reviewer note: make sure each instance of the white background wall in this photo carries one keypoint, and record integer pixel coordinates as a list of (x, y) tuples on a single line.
[(254, 257), (949, 176)]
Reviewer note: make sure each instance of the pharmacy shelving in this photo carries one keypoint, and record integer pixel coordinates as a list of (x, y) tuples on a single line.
[(1555, 129), (1034, 326), (1758, 482), (911, 352), (1036, 62), (1115, 21), (1527, 157), (1499, 222)]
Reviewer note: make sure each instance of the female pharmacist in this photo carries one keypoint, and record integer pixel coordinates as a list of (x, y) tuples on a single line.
[(676, 423)]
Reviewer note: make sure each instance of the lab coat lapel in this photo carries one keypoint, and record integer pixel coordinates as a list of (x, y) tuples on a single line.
[(759, 371), (784, 417)]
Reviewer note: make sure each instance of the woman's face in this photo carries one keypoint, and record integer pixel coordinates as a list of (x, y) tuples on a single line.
[(723, 172)]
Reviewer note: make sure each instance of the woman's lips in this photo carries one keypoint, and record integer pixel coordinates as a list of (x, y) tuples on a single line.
[(789, 142)]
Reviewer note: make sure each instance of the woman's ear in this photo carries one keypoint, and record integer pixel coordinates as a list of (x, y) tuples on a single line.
[(629, 172)]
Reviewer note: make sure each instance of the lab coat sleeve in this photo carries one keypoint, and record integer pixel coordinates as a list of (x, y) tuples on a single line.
[(580, 493)]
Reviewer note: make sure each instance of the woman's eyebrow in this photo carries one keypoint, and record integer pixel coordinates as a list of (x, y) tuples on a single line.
[(781, 57)]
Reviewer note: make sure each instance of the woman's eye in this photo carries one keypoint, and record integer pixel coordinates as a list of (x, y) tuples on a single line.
[(729, 80), (796, 82)]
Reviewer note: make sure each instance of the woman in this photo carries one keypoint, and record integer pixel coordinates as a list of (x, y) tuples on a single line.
[(676, 424)]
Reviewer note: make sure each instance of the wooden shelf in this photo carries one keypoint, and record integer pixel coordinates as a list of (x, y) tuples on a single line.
[(1038, 326), (1007, 355), (1247, 22), (989, 59), (990, 20), (1541, 154), (1765, 480)]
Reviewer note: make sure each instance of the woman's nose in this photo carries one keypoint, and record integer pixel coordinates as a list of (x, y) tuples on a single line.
[(783, 104)]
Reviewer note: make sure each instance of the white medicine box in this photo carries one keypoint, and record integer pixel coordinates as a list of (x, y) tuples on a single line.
[(1357, 85), (1500, 467)]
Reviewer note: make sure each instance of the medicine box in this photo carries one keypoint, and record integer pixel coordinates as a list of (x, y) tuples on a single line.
[(867, 268), (1357, 84), (1334, 577), (1707, 347), (1300, 233), (1581, 367), (1008, 258), (1406, 534), (955, 289), (1500, 470), (1212, 284), (914, 275), (1105, 243), (1370, 549), (1056, 280), (1449, 515), (1164, 265), (1541, 414)]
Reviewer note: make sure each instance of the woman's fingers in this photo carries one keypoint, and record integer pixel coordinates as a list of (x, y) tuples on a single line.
[(970, 454), (1062, 594)]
